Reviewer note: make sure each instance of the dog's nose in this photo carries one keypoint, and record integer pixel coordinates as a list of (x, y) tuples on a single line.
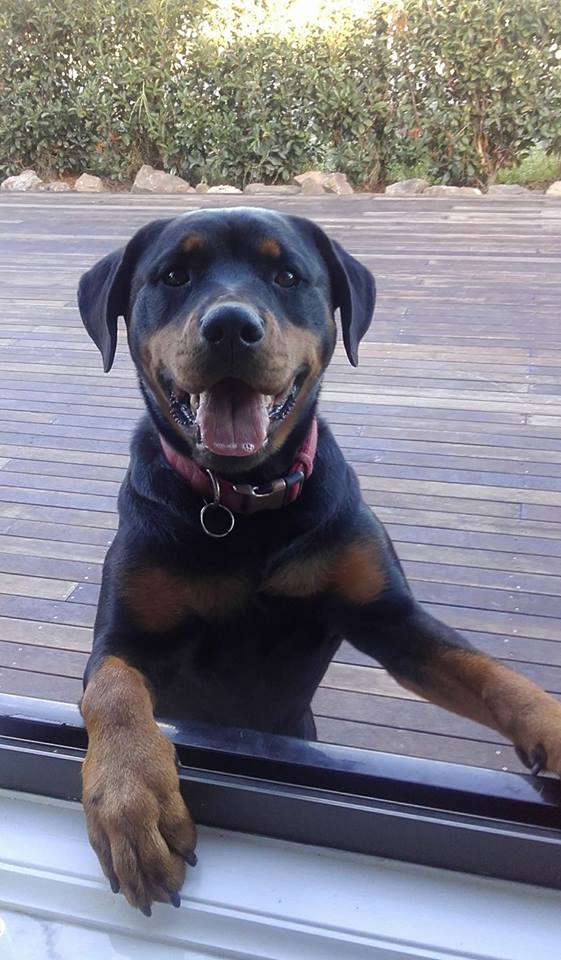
[(232, 324)]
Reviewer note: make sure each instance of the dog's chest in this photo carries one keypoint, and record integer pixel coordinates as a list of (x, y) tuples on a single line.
[(262, 666), (161, 600)]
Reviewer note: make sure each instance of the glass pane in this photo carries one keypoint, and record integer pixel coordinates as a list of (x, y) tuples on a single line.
[(450, 422)]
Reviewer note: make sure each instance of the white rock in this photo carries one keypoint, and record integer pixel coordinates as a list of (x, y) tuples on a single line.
[(510, 190), (26, 180), (312, 188), (317, 176), (223, 188), (278, 189), (338, 183), (88, 184), (58, 186), (554, 190), (318, 182), (407, 188), (443, 191), (149, 180)]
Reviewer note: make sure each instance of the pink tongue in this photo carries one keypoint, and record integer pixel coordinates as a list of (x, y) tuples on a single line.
[(233, 419)]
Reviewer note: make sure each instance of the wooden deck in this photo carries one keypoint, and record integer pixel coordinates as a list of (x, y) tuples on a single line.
[(452, 420)]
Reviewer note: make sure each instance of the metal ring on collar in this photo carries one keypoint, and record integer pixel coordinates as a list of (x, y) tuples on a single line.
[(216, 505), (228, 514)]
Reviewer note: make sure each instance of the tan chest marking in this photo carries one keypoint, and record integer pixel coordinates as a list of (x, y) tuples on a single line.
[(159, 600), (354, 573)]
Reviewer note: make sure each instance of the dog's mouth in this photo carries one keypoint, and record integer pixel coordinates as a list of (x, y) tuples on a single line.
[(232, 418)]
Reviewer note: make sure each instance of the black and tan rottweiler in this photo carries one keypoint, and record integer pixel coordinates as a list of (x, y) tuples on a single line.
[(244, 551)]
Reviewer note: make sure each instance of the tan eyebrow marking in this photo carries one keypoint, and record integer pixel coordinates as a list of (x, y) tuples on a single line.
[(269, 247), (193, 242)]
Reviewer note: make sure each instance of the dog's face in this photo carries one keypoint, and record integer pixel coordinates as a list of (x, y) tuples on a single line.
[(230, 321)]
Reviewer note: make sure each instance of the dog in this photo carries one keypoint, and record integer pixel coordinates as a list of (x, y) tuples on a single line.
[(244, 551)]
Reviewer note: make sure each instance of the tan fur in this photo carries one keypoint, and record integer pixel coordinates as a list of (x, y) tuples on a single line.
[(137, 822), (358, 576), (159, 600), (155, 355), (295, 348), (472, 685), (353, 573), (269, 247), (176, 350), (193, 242), (302, 577)]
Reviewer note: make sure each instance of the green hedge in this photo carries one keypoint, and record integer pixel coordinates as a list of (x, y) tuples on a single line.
[(234, 90)]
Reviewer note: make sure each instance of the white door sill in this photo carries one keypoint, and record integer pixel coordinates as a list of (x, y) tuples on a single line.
[(251, 897)]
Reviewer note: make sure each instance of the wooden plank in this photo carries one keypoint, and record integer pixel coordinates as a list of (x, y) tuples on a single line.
[(59, 484), (495, 621), (42, 633), (56, 498), (509, 527), (360, 673), (467, 539), (489, 599), (47, 611), (414, 744), (511, 494), (26, 683), (27, 586), (483, 508), (71, 534), (406, 714), (31, 566), (10, 450), (58, 468), (419, 571), (54, 549), (487, 559), (54, 663), (365, 679), (85, 518)]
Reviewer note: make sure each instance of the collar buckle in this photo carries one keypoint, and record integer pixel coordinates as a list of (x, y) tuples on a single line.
[(268, 496)]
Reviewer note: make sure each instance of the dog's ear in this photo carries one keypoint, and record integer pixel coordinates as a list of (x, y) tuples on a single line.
[(354, 292), (353, 289), (104, 291)]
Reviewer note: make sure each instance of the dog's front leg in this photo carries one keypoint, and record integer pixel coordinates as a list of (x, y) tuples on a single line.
[(137, 821), (434, 661)]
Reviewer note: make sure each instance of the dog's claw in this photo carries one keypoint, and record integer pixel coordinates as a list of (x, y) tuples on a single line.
[(536, 762), (115, 885), (191, 858), (147, 911), (539, 760), (175, 899)]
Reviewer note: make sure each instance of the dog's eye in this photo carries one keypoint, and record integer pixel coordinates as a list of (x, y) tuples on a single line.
[(287, 278), (176, 277)]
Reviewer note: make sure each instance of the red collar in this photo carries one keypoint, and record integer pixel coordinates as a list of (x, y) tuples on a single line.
[(244, 497)]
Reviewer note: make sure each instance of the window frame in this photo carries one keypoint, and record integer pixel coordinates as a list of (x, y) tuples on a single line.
[(437, 814)]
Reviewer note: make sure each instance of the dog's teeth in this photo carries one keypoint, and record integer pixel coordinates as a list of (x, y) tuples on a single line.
[(181, 410), (195, 401)]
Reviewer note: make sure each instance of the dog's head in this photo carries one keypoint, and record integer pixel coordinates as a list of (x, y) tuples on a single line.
[(230, 322)]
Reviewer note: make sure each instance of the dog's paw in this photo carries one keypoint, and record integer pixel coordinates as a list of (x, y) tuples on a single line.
[(137, 821), (538, 743)]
